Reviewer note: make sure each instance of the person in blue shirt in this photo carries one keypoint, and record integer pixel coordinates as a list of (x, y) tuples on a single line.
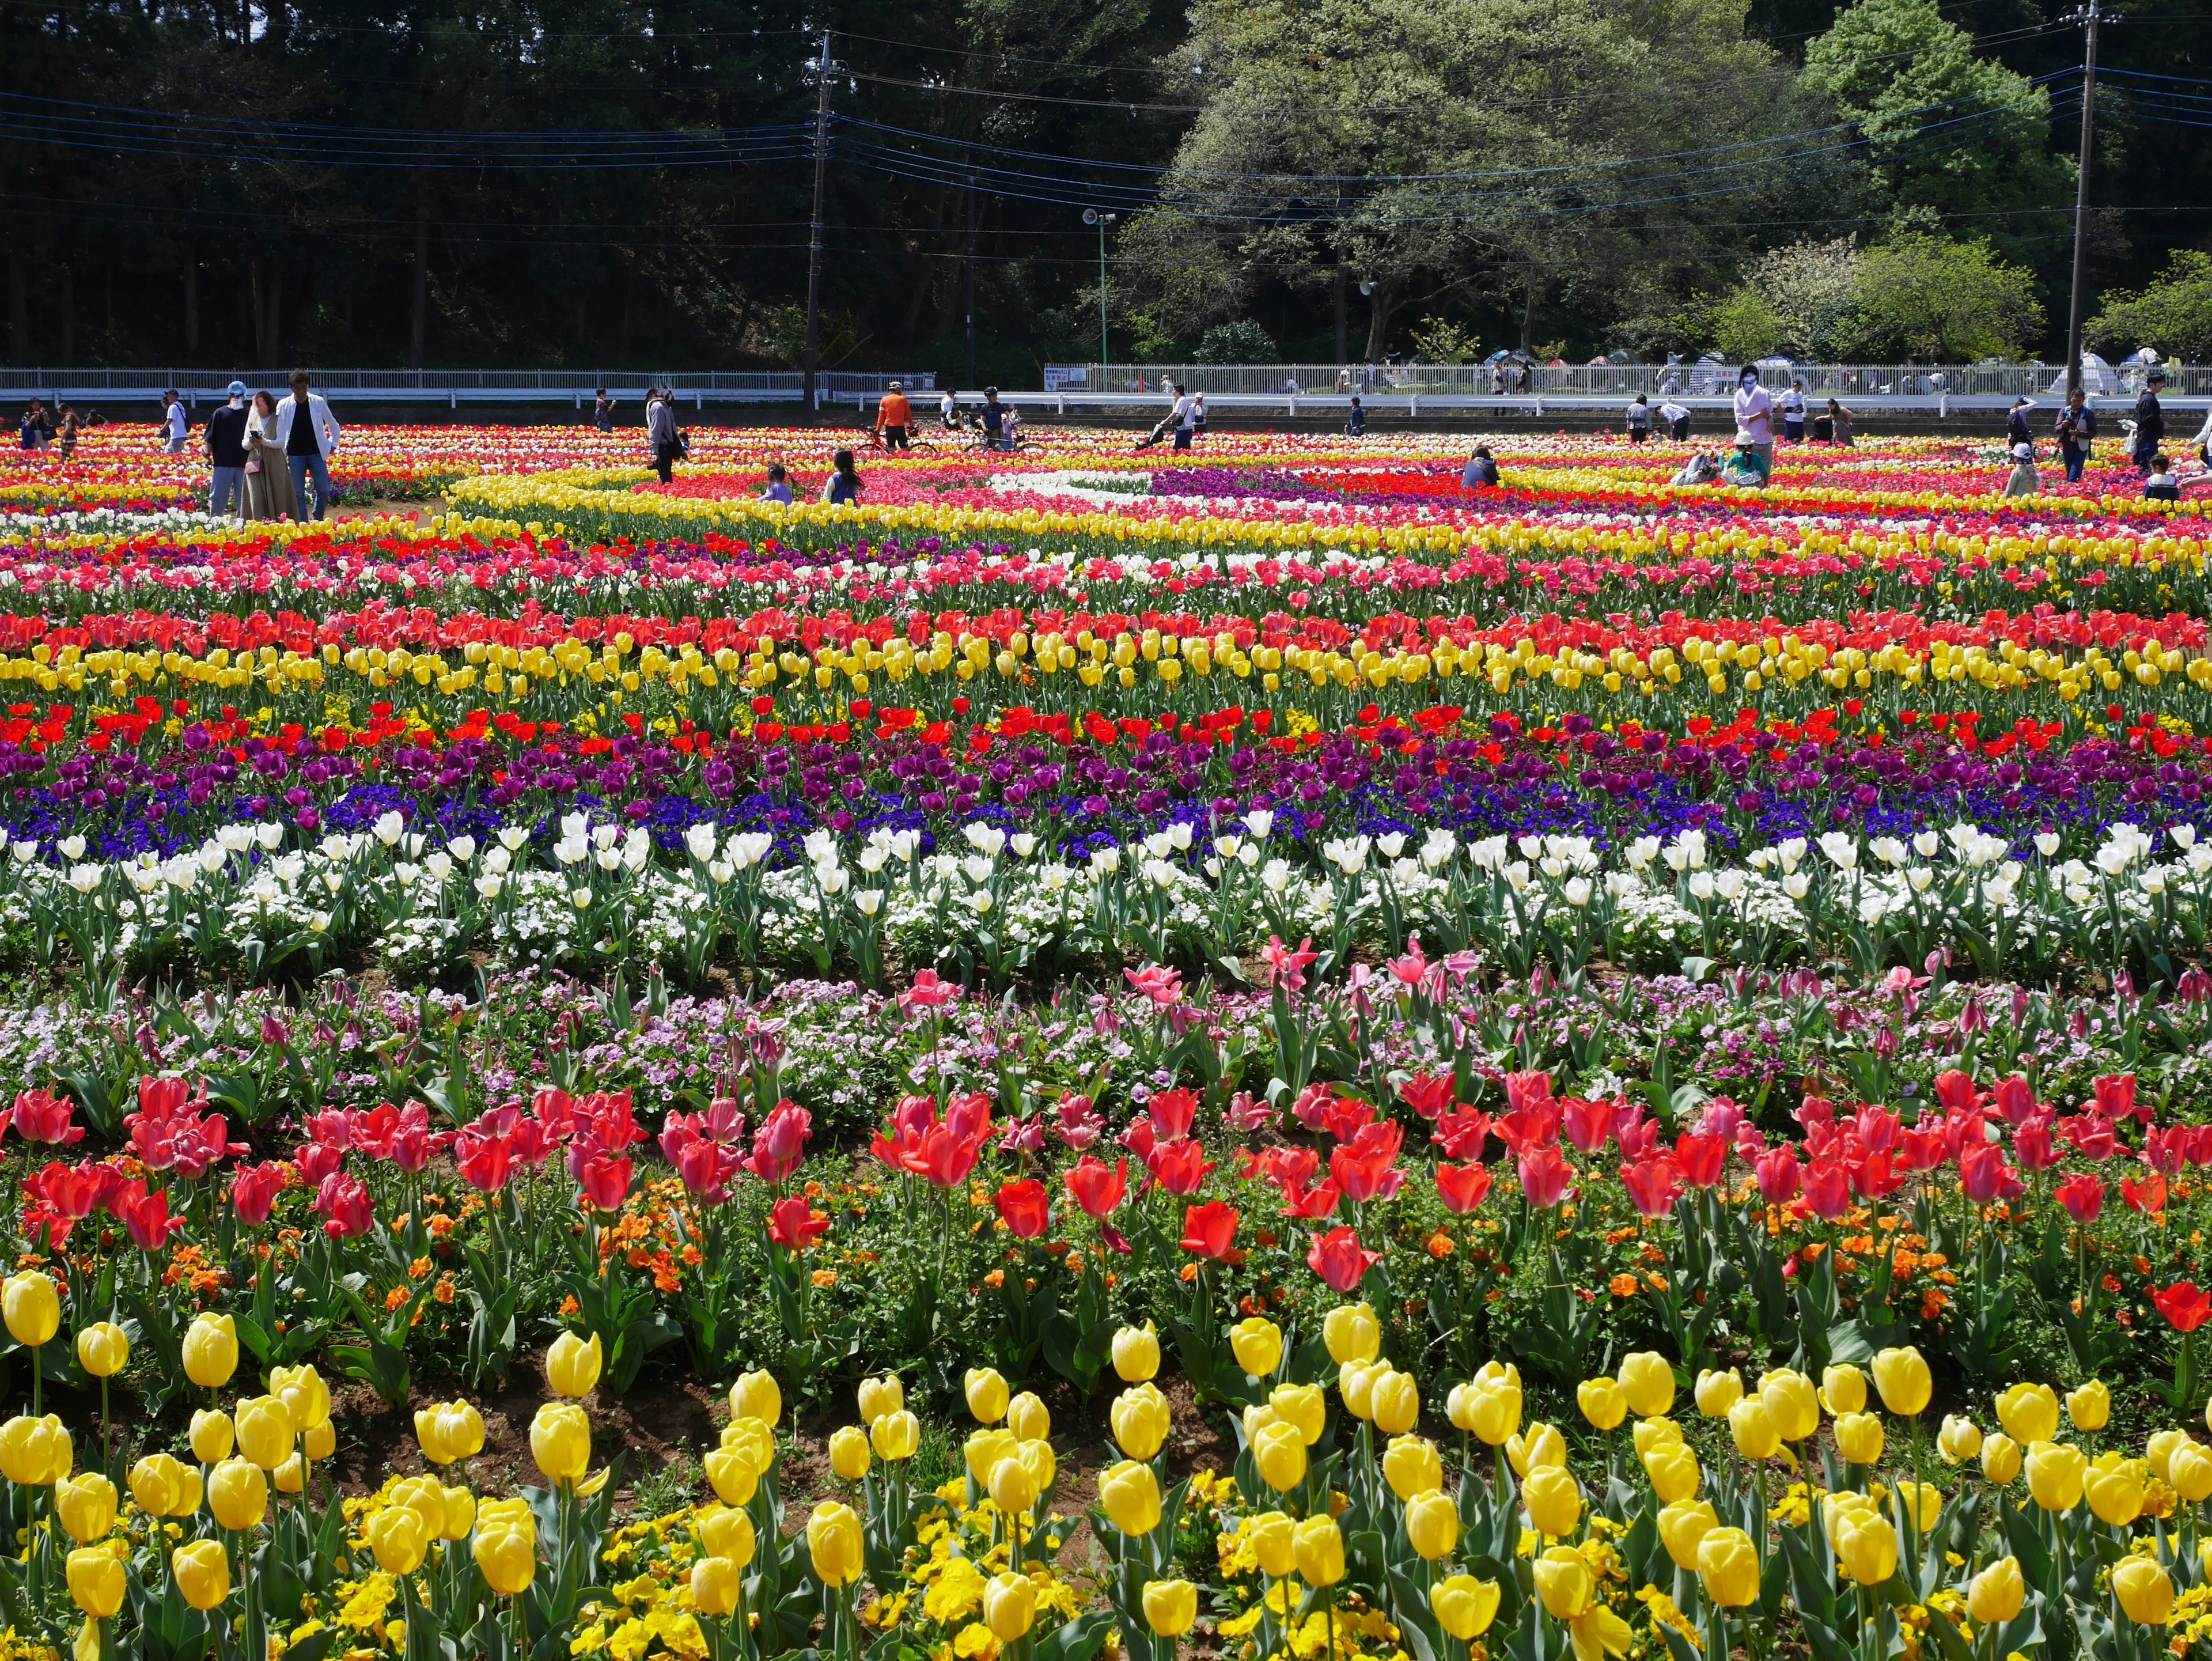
[(844, 488), (779, 486), (1356, 424), (1481, 472)]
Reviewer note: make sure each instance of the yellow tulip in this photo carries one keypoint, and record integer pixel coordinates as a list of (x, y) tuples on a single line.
[(238, 1494), (1009, 1606), (1303, 1405), (879, 1396), (1431, 1525), (1493, 1412), (32, 1308), (1037, 1457), (460, 1514), (896, 1435), (291, 1476), (1136, 1354), (987, 1395), (86, 1507), (848, 1452), (1673, 1472), (560, 1441), (1352, 1332), (1866, 1546), (35, 1452), (1753, 1430), (716, 1585), (983, 1450), (2190, 1472), (1921, 1504), (836, 1543), (1843, 1389), (160, 1487), (1790, 1404), (2113, 1485), (211, 1350), (449, 1431), (1257, 1343), (319, 1441), (2029, 1413), (2144, 1591), (2001, 1458), (103, 1349), (753, 1438), (1130, 1497), (1553, 1501), (1682, 1525), (1464, 1606), (1602, 1401), (1355, 1386), (732, 1475), (1536, 1447), (399, 1537), (573, 1364), (202, 1573), (1012, 1488), (1028, 1418), (1563, 1582), (1395, 1403), (1411, 1465), (1728, 1568), (426, 1497), (1171, 1607), (1960, 1440), (1647, 1382), (1280, 1453), (1140, 1418), (97, 1582), (1997, 1594), (212, 1436), (304, 1394), (1274, 1544), (2089, 1406), (1318, 1548), (756, 1396), (506, 1546), (2159, 1451), (1651, 1433), (1717, 1392), (1859, 1438), (2056, 1472), (265, 1432), (1902, 1376), (727, 1532)]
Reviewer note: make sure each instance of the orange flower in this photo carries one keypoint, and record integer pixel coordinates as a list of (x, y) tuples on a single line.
[(395, 1298), (825, 1277), (1438, 1246), (995, 1279), (1622, 1285)]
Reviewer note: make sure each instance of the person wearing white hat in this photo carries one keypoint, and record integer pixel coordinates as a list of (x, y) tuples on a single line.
[(225, 434), (894, 417), (2024, 480)]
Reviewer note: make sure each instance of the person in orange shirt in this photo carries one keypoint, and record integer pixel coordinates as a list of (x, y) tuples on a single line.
[(895, 417)]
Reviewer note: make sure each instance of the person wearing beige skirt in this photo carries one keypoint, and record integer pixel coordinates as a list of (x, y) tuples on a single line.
[(268, 485)]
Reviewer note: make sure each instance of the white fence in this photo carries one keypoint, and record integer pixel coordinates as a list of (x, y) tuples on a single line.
[(454, 387)]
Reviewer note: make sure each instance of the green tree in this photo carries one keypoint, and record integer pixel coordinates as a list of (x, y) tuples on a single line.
[(1746, 327), (2174, 313), (1241, 342), (1932, 300), (1949, 132)]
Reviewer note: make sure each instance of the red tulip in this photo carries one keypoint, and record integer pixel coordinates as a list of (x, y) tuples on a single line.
[(970, 1117), (1985, 1175), (1430, 1095), (2183, 1306), (1461, 1135), (1875, 1176), (1587, 1124), (2148, 1196), (2032, 1142), (332, 1127), (946, 1158), (1366, 1174), (1338, 1257), (1827, 1189), (1209, 1230), (1779, 1175), (1527, 1090), (146, 1216), (2083, 1197), (42, 1116), (794, 1225), (605, 1180), (343, 1203), (1923, 1149), (706, 1167), (1544, 1177), (1311, 1204), (1462, 1187), (927, 992), (254, 1190), (2014, 1099), (1653, 1184), (2116, 1097), (2091, 1134), (1173, 1112), (317, 1161), (1701, 1159), (486, 1161), (780, 1143), (1024, 1206), (1096, 1186), (1956, 1091), (1179, 1167)]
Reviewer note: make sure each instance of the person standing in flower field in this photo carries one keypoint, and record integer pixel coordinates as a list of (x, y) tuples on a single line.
[(2077, 431), (2150, 420), (602, 412), (173, 424), (1754, 420), (895, 417), (226, 446), (308, 433), (661, 432)]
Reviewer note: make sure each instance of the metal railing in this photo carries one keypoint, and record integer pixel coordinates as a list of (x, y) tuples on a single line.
[(1624, 380), (455, 387)]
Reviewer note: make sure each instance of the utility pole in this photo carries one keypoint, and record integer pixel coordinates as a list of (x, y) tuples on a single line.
[(1092, 217), (821, 68), (971, 282), (2089, 18)]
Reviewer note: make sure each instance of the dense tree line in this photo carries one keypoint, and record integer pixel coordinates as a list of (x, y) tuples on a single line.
[(540, 182)]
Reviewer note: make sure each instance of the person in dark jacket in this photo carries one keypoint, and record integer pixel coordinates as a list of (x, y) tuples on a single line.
[(2077, 427), (2016, 427), (2150, 420), (1356, 424)]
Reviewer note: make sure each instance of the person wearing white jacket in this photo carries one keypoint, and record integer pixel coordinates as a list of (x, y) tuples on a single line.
[(307, 444)]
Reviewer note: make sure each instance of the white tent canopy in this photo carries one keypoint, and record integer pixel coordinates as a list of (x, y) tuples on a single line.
[(2097, 377)]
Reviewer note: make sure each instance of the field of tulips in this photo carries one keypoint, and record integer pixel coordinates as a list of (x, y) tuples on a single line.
[(1104, 1054)]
